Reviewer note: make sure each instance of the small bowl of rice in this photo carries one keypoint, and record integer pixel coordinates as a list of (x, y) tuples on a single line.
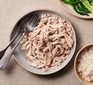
[(83, 65)]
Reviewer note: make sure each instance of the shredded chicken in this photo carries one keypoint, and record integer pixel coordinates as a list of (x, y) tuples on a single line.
[(49, 42)]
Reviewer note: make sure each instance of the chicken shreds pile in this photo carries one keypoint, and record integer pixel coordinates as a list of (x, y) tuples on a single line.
[(49, 43)]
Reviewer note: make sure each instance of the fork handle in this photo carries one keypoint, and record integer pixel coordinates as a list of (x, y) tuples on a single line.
[(4, 61), (13, 39)]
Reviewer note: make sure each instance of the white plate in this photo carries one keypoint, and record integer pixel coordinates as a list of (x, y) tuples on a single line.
[(70, 10), (20, 56)]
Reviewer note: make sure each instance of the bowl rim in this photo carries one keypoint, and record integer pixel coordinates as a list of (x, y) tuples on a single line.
[(64, 18), (75, 62)]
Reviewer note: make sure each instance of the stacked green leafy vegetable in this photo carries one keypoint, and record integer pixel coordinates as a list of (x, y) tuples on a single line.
[(83, 7)]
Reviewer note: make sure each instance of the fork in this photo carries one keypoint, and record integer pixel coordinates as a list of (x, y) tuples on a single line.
[(12, 40), (28, 27)]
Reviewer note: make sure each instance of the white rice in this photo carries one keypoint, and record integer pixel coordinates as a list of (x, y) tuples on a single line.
[(85, 66)]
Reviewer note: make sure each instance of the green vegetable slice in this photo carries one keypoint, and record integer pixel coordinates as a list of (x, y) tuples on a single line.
[(70, 1), (90, 2), (81, 9), (86, 3)]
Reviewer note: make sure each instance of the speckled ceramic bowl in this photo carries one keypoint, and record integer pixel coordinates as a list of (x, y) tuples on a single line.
[(20, 56)]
